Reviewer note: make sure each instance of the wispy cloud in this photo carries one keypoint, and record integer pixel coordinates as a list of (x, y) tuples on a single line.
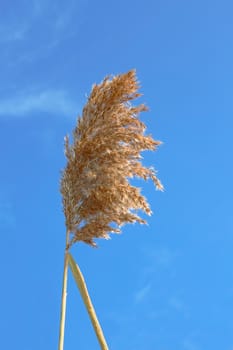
[(9, 34), (189, 344), (178, 305), (63, 13), (49, 101), (38, 7), (142, 293), (16, 27), (159, 258), (162, 256)]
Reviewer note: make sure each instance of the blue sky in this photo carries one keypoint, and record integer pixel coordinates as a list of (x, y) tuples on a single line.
[(165, 286)]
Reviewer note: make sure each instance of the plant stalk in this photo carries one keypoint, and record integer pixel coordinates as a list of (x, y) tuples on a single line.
[(63, 299), (87, 301)]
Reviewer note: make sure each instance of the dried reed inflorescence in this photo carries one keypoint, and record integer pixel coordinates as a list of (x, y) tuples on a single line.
[(107, 141)]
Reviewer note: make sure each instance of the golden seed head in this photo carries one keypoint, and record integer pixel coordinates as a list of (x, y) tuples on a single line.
[(105, 153)]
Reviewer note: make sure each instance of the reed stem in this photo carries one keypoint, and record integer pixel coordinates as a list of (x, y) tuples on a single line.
[(63, 300), (87, 301)]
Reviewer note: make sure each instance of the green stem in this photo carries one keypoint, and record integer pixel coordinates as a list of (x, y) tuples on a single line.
[(63, 300), (87, 301)]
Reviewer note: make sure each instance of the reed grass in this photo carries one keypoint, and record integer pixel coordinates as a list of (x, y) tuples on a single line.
[(103, 154)]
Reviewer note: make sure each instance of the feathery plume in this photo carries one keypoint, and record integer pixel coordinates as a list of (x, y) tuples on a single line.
[(107, 141)]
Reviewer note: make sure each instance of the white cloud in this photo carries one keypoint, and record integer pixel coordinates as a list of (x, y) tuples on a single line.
[(142, 293), (48, 101)]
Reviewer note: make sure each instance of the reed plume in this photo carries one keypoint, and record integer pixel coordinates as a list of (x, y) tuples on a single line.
[(105, 154), (95, 185)]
